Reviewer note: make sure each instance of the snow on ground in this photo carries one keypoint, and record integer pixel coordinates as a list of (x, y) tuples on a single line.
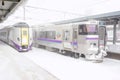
[(67, 68), (14, 66), (27, 66)]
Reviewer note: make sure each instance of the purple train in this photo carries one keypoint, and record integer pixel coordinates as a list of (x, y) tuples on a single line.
[(18, 36)]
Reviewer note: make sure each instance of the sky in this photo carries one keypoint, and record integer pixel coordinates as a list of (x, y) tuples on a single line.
[(46, 11)]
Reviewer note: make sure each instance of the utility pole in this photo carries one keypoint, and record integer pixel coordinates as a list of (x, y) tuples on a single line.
[(24, 13)]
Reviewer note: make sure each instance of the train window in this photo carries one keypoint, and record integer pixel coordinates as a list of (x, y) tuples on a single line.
[(24, 33), (50, 34), (88, 29), (82, 29), (66, 35), (75, 34), (102, 33), (3, 33), (47, 34), (110, 34), (53, 35), (42, 34), (92, 29)]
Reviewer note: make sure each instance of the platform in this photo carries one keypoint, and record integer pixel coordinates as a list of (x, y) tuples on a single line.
[(39, 64), (15, 66)]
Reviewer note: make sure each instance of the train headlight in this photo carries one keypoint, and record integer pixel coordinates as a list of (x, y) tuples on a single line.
[(18, 39), (93, 44), (24, 40), (20, 48), (101, 46)]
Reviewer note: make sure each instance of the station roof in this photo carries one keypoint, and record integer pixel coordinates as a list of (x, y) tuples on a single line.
[(7, 7), (110, 17)]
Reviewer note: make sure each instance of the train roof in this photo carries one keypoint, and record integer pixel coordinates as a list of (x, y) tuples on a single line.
[(21, 24)]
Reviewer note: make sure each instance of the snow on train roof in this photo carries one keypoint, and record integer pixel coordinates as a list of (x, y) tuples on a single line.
[(21, 24)]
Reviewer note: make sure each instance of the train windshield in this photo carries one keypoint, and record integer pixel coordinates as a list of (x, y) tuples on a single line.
[(24, 33), (89, 29)]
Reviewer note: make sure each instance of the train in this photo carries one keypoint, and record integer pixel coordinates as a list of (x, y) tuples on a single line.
[(18, 36), (86, 39)]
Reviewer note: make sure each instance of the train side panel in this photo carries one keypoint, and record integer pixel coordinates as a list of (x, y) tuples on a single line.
[(49, 37), (15, 37), (30, 39), (4, 35)]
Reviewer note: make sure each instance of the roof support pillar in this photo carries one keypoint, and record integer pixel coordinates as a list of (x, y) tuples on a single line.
[(114, 32)]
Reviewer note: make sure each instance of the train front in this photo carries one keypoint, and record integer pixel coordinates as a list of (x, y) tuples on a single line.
[(26, 37), (26, 43), (94, 41)]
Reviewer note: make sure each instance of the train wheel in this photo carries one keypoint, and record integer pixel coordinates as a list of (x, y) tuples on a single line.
[(36, 45), (61, 51), (76, 55)]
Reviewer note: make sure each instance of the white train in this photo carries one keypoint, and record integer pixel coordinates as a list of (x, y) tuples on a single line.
[(86, 38), (18, 36)]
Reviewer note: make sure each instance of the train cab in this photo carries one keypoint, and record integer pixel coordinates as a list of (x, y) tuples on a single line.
[(91, 40)]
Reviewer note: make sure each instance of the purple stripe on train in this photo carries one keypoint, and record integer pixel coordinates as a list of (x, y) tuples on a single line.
[(91, 38), (74, 43), (50, 40), (16, 46), (29, 47), (19, 47), (57, 41)]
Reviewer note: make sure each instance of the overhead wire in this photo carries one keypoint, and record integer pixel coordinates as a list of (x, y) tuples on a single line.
[(59, 11)]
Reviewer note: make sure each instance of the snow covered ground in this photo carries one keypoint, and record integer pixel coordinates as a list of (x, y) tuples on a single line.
[(63, 67), (67, 68), (14, 66)]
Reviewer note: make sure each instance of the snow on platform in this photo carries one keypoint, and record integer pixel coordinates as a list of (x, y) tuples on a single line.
[(14, 66), (67, 68), (26, 66)]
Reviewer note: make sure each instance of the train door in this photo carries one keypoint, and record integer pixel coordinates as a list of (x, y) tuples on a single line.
[(24, 32), (102, 37), (74, 42), (66, 39)]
